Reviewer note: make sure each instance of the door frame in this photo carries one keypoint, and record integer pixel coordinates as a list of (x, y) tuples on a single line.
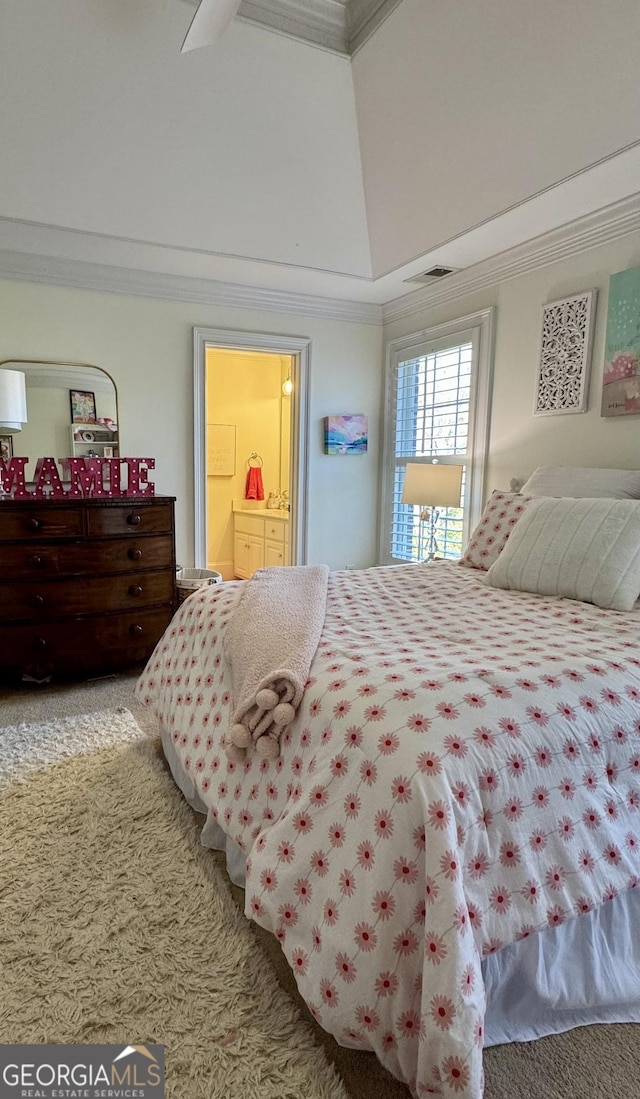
[(299, 348)]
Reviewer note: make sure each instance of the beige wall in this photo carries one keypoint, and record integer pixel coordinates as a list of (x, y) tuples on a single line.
[(147, 348), (244, 390), (520, 441)]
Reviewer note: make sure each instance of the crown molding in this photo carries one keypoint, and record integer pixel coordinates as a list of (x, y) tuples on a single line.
[(82, 275), (340, 26), (607, 224), (610, 223), (363, 19), (319, 22)]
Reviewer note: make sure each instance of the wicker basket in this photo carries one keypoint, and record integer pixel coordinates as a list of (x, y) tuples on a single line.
[(190, 580)]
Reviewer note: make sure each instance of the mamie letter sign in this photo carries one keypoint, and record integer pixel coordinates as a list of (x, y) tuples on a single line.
[(81, 477)]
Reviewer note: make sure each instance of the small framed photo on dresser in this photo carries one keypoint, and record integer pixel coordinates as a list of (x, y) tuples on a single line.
[(6, 447), (83, 406)]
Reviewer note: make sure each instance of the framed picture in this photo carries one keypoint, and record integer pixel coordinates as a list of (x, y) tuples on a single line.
[(565, 353), (346, 434), (621, 378), (6, 447), (221, 450), (83, 406)]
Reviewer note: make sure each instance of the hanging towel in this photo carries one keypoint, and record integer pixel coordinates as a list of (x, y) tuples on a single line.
[(254, 489)]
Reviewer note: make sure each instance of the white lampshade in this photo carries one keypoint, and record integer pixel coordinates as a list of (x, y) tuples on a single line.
[(13, 400), (436, 486), (209, 23)]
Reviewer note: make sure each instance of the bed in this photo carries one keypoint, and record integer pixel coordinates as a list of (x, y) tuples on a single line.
[(447, 845)]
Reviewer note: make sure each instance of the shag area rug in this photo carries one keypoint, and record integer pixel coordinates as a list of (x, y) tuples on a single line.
[(117, 927)]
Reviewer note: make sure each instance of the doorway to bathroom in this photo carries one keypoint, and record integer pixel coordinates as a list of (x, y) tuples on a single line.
[(250, 432)]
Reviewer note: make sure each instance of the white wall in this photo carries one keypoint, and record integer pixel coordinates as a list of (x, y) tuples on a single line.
[(146, 347), (466, 108), (520, 441), (248, 148)]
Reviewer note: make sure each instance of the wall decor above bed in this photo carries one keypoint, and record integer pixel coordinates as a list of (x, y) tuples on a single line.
[(621, 380), (565, 352)]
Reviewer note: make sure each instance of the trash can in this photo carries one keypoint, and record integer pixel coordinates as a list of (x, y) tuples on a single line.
[(190, 580)]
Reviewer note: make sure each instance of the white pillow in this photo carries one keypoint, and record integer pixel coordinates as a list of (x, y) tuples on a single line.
[(587, 549), (578, 481)]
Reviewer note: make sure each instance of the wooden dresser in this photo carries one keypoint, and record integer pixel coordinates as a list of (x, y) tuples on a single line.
[(86, 586)]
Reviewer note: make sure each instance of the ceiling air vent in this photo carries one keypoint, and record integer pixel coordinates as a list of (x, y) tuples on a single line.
[(432, 275)]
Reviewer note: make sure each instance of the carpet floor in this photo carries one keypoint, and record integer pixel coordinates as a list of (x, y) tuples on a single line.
[(588, 1063), (118, 928)]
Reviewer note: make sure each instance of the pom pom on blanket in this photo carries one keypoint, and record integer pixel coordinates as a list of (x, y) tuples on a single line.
[(267, 699), (269, 644), (267, 746)]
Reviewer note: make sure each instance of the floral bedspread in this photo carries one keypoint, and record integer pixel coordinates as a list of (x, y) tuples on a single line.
[(464, 770)]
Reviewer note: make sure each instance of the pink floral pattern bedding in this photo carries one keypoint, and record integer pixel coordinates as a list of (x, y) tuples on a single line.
[(463, 771)]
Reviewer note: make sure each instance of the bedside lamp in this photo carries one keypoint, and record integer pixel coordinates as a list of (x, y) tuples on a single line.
[(431, 486), (13, 400)]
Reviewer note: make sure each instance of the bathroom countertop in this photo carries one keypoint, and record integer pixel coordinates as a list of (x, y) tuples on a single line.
[(262, 513)]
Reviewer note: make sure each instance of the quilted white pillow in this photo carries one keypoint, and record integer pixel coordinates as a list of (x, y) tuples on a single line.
[(501, 513), (578, 481), (587, 549)]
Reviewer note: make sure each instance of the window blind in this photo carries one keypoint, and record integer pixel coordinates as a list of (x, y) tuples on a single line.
[(432, 407)]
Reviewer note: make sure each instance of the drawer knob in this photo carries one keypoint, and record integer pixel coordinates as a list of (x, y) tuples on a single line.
[(38, 600), (39, 643), (33, 523), (135, 589), (136, 629), (134, 554), (36, 561), (134, 519)]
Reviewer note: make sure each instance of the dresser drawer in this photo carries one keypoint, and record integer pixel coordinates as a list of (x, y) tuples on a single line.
[(45, 599), (35, 522), (87, 558), (82, 645), (128, 519)]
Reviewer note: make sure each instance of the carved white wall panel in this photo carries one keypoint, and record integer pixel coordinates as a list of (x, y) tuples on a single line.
[(565, 352)]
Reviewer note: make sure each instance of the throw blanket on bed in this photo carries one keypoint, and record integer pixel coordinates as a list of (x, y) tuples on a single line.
[(269, 645)]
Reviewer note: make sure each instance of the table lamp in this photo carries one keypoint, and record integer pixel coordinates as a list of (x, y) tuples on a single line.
[(431, 486), (13, 400)]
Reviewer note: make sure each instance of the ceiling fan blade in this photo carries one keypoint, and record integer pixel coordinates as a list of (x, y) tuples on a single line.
[(209, 23)]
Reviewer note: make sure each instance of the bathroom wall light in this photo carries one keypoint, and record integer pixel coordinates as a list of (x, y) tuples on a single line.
[(287, 386)]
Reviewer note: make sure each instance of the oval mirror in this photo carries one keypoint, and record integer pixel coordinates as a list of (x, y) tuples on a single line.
[(71, 409)]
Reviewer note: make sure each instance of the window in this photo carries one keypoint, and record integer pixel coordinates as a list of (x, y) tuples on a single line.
[(437, 409)]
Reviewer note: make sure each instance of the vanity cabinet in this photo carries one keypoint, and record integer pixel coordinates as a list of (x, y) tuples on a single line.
[(87, 586), (259, 541)]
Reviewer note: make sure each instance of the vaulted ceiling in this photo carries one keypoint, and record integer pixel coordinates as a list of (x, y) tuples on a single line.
[(342, 156)]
